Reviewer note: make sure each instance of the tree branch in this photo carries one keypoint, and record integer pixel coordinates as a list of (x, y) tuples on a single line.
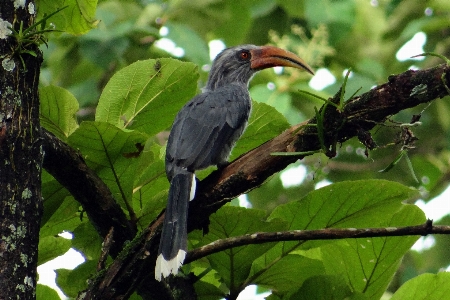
[(249, 171), (361, 113), (320, 234)]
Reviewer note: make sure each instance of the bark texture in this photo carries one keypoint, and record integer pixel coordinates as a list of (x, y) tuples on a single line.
[(21, 155)]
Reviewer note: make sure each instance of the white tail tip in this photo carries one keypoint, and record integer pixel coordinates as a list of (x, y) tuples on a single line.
[(166, 267)]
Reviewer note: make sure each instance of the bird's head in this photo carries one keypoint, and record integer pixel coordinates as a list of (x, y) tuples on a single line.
[(240, 63)]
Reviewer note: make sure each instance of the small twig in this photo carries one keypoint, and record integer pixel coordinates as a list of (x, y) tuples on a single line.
[(320, 234), (106, 246)]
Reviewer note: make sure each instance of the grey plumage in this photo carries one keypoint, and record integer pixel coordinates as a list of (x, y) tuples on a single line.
[(207, 127), (229, 67), (204, 133)]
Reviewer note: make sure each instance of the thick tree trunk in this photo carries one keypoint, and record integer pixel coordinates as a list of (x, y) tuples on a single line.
[(20, 158)]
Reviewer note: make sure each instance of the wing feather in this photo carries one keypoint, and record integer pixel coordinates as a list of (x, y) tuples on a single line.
[(206, 127)]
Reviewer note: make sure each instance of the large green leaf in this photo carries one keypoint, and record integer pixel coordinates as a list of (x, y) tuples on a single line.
[(151, 187), (326, 287), (234, 264), (352, 204), (368, 264), (58, 108), (425, 287), (357, 204), (77, 18), (147, 94), (207, 291), (112, 152), (288, 273)]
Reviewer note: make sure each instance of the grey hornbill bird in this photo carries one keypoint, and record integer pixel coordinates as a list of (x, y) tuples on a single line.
[(203, 134)]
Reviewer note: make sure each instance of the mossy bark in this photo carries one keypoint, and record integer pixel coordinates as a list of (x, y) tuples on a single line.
[(21, 156)]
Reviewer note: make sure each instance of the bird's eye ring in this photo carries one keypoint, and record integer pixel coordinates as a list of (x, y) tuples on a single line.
[(245, 55)]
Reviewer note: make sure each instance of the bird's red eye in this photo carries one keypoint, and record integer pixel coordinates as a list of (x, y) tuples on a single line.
[(245, 55)]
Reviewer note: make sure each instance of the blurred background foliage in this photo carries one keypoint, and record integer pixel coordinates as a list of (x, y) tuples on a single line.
[(333, 36)]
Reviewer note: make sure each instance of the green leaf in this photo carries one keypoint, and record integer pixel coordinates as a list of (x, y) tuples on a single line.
[(73, 281), (273, 297), (112, 152), (288, 273), (234, 264), (320, 130), (44, 292), (394, 162), (264, 124), (325, 287), (77, 18), (151, 187), (51, 247), (146, 95), (368, 264), (58, 108), (135, 296), (207, 291), (102, 144), (151, 164), (358, 204), (426, 287)]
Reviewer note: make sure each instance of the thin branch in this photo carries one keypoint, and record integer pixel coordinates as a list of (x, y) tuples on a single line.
[(320, 234), (106, 246)]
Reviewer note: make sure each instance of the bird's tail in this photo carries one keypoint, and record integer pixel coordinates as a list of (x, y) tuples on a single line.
[(173, 244)]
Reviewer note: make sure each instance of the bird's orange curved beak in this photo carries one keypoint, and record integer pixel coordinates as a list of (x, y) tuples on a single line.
[(270, 56)]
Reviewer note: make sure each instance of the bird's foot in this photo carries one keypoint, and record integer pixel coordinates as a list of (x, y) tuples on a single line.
[(222, 165)]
